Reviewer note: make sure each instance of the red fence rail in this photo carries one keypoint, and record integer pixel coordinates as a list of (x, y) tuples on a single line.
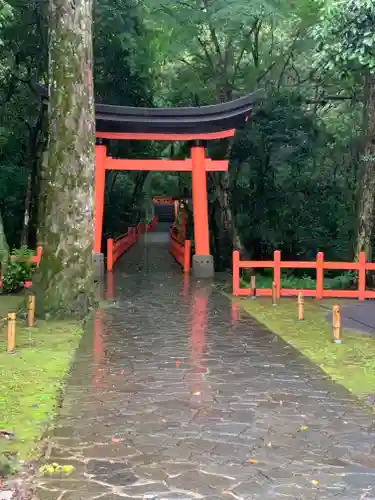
[(180, 250), (116, 247), (319, 264)]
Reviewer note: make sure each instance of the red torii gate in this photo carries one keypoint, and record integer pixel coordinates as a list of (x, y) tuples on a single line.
[(194, 124), (198, 165)]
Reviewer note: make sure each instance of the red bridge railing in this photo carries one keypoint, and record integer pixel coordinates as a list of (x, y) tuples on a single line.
[(180, 250), (319, 264), (116, 247)]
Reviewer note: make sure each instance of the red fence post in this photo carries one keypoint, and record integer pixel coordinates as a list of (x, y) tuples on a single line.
[(187, 251), (277, 271), (319, 275), (109, 254), (39, 252), (362, 276), (236, 273)]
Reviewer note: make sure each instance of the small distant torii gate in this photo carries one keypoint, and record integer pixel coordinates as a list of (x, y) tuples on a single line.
[(197, 125)]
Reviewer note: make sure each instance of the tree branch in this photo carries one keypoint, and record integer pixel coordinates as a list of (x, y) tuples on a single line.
[(255, 46), (242, 53), (287, 60), (213, 35), (206, 52)]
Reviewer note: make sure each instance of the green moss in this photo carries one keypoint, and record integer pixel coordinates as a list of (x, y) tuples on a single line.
[(352, 364), (31, 381)]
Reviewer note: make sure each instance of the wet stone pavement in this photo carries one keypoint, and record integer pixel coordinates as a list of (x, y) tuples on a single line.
[(175, 394)]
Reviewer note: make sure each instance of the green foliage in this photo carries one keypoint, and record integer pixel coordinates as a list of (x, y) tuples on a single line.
[(344, 281), (13, 182), (18, 270), (345, 36), (5, 15), (286, 180)]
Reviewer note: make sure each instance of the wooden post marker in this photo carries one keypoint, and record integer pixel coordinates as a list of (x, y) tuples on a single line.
[(336, 324), (31, 311), (253, 287), (274, 294), (301, 306), (11, 332)]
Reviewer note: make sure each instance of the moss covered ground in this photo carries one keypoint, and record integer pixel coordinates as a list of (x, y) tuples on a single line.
[(352, 364), (31, 380)]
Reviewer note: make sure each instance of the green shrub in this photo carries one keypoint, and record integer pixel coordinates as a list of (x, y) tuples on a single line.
[(18, 271), (342, 282)]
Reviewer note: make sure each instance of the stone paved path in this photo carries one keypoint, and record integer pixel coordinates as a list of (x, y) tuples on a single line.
[(175, 395)]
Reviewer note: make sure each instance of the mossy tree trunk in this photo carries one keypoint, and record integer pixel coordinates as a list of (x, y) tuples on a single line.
[(66, 278)]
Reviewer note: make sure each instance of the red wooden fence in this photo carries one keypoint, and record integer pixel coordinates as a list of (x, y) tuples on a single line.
[(115, 248), (180, 251), (319, 264)]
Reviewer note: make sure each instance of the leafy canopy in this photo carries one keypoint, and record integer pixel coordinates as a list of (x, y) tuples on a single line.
[(346, 36)]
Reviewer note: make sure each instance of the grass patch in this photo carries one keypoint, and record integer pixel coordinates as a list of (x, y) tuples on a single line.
[(9, 303), (31, 381), (352, 364)]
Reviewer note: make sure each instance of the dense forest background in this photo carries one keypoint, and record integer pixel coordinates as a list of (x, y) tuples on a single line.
[(301, 176)]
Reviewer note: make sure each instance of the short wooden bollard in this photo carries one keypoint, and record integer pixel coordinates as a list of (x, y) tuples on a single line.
[(274, 294), (11, 332), (253, 287), (301, 306), (336, 324), (31, 311)]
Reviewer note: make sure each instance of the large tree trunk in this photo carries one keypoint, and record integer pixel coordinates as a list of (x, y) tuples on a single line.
[(366, 186), (66, 282)]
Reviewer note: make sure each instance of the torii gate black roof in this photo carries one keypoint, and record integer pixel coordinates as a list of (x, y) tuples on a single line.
[(184, 120)]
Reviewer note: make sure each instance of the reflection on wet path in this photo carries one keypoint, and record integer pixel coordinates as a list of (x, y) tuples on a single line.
[(176, 394)]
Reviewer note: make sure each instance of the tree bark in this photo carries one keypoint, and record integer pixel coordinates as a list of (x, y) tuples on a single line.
[(4, 251), (138, 188), (34, 154), (366, 187), (66, 281)]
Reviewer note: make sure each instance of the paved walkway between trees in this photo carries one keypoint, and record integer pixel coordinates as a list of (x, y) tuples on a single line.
[(176, 395)]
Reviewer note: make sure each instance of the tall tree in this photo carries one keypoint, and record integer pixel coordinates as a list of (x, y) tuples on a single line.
[(66, 273), (347, 47)]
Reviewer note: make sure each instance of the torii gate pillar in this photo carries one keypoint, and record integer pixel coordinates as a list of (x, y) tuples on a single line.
[(203, 263)]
